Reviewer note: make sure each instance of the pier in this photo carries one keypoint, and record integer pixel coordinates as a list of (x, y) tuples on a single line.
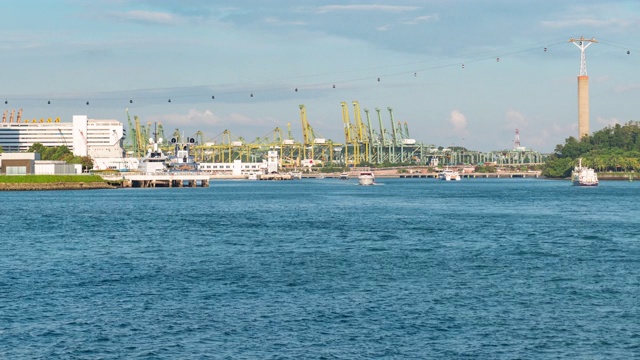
[(504, 175), (165, 180), (434, 175), (275, 177)]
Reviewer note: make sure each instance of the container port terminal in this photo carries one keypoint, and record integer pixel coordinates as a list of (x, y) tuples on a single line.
[(365, 143)]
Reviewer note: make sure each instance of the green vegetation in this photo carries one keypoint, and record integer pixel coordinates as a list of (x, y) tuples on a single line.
[(612, 149), (330, 169), (48, 179), (61, 153), (485, 169)]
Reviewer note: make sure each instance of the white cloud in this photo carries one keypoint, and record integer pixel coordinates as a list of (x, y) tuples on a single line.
[(514, 120), (149, 17), (458, 121), (193, 116), (384, 8), (422, 19), (236, 118), (277, 21), (626, 88), (607, 122), (582, 22)]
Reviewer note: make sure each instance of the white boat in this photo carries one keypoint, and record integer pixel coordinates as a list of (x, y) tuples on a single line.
[(448, 175), (344, 176), (584, 176), (252, 176), (366, 178), (181, 160), (154, 161)]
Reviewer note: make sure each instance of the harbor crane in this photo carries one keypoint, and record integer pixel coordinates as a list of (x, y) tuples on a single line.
[(132, 135), (361, 134), (349, 136), (320, 149)]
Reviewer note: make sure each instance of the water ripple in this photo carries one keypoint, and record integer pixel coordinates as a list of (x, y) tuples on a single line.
[(414, 269)]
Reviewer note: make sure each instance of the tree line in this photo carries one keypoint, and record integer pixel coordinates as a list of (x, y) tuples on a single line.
[(61, 153), (614, 148)]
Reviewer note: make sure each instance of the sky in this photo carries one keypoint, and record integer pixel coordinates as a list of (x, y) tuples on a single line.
[(458, 73)]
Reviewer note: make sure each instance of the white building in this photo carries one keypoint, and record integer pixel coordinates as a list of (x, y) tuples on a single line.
[(44, 167), (99, 139), (236, 168)]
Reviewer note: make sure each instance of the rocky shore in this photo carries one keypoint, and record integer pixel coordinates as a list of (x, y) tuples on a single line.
[(55, 186)]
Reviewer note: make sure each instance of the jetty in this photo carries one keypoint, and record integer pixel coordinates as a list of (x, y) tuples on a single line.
[(165, 179), (432, 175)]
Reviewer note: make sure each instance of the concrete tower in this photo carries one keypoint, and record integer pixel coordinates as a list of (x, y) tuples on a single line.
[(583, 87)]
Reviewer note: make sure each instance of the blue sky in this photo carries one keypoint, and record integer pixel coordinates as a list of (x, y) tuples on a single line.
[(109, 52)]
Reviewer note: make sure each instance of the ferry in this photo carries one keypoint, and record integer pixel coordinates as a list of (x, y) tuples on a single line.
[(366, 178), (448, 175), (584, 176)]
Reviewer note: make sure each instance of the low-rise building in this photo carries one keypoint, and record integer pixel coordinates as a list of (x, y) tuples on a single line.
[(18, 163)]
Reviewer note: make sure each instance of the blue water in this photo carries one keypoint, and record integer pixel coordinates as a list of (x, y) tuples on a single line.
[(323, 269)]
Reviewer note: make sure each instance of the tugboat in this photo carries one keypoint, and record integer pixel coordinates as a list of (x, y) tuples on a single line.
[(584, 176)]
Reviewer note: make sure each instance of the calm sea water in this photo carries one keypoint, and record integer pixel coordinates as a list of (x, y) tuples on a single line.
[(323, 269)]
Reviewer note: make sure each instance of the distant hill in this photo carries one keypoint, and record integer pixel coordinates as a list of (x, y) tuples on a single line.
[(614, 148)]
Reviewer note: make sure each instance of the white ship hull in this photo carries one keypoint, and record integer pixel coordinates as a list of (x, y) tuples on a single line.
[(366, 178), (449, 175), (584, 176)]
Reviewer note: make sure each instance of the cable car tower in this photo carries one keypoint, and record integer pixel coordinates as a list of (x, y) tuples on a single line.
[(583, 86)]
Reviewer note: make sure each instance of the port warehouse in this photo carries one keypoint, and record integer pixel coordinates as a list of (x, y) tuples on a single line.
[(25, 163), (104, 140)]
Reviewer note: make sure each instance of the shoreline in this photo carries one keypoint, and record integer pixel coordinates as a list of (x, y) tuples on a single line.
[(55, 186)]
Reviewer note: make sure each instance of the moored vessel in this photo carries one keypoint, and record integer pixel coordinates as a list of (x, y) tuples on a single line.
[(584, 176), (448, 175), (181, 160), (154, 161)]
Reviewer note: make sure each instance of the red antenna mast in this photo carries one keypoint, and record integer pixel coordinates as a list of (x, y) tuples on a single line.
[(516, 142)]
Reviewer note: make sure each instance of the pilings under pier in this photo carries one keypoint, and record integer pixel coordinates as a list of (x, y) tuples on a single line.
[(165, 180), (504, 175)]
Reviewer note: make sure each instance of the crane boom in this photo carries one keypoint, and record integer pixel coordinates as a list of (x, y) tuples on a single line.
[(393, 127), (306, 138), (360, 133), (289, 131), (133, 135), (382, 137), (369, 127)]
